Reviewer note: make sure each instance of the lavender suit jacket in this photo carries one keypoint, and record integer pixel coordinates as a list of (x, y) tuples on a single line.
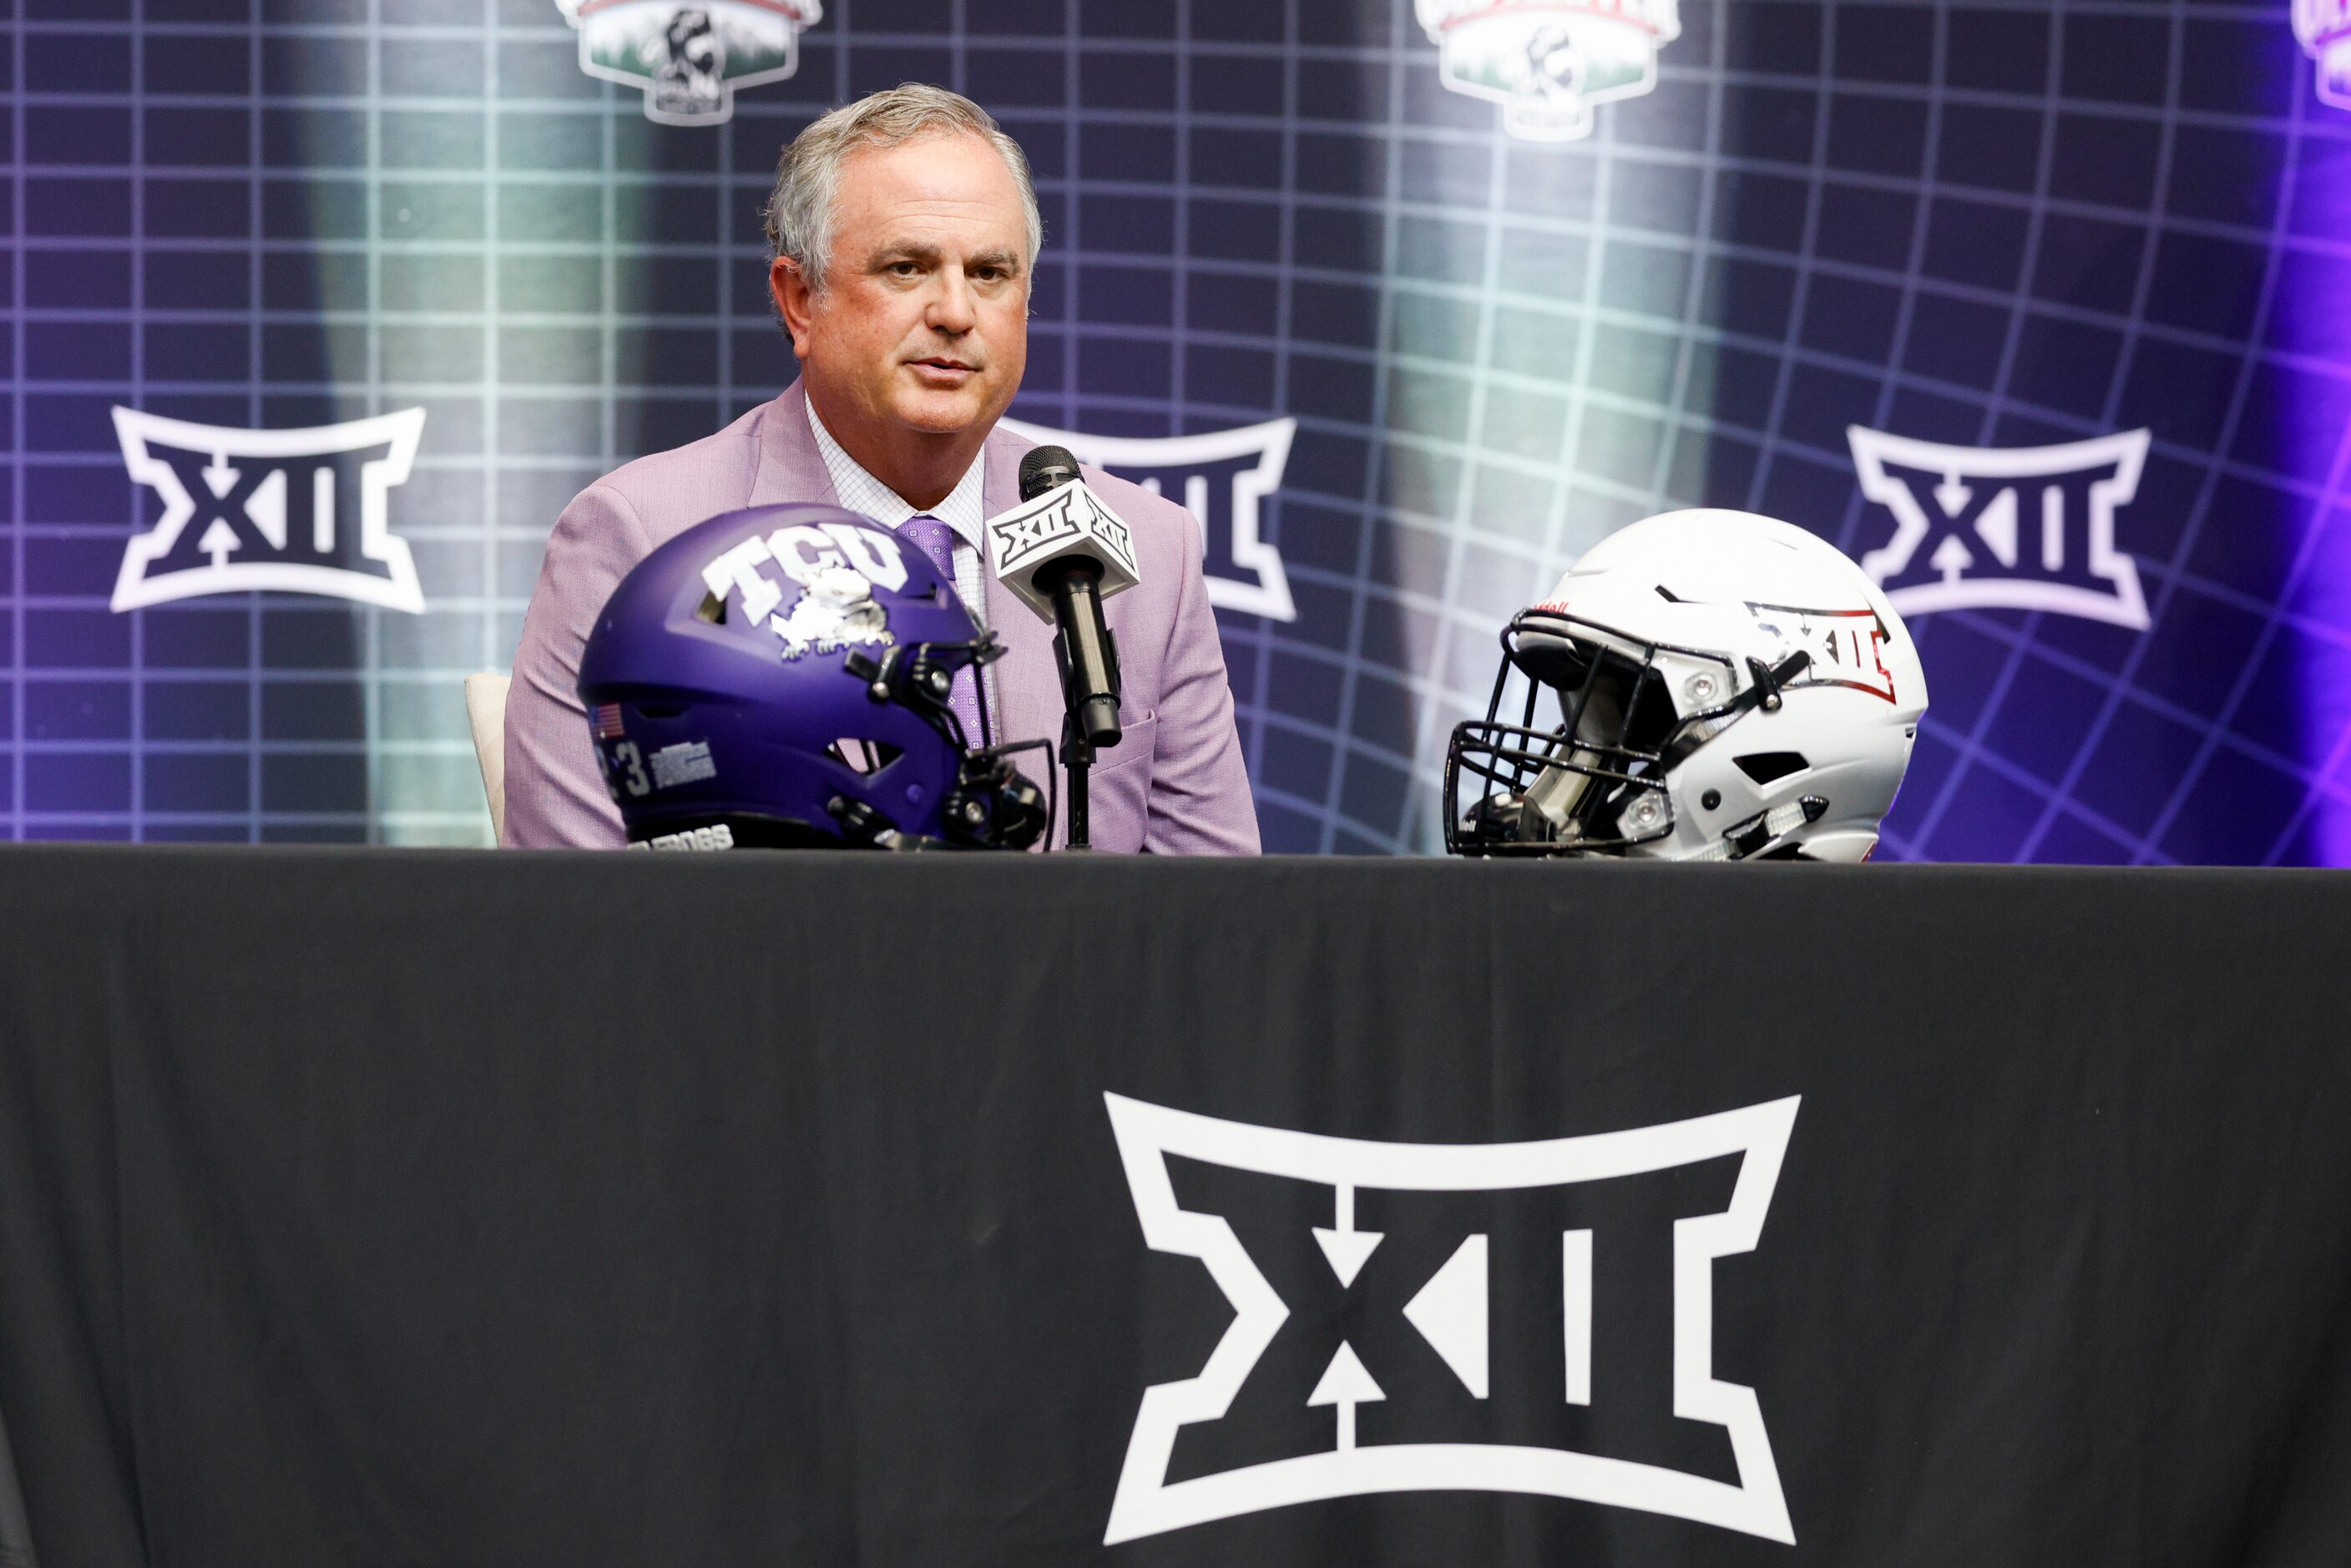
[(1175, 785)]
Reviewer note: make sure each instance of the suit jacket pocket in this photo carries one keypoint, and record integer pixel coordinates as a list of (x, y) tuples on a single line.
[(1118, 793), (1135, 739)]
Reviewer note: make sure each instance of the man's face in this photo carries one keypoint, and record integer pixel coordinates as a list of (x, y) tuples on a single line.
[(922, 325)]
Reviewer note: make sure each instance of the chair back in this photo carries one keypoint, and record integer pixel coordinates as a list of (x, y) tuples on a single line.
[(486, 706)]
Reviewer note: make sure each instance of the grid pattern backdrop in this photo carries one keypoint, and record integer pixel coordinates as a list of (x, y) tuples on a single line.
[(1983, 225)]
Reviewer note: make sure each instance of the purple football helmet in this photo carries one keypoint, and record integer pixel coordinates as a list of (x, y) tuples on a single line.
[(780, 677)]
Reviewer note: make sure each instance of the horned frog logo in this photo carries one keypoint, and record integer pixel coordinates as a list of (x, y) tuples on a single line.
[(1549, 62), (837, 609), (690, 59), (836, 566)]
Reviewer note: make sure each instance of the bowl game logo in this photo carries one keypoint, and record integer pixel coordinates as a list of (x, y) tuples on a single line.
[(1548, 62), (2325, 28), (1463, 1317), (690, 59), (299, 511)]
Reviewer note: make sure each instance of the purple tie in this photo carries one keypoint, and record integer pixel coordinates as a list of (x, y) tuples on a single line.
[(937, 540)]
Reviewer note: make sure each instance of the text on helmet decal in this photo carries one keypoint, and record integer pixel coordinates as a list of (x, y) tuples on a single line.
[(687, 762), (717, 836), (837, 567), (1847, 647)]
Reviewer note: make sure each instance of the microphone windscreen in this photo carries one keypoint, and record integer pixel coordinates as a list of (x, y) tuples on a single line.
[(1046, 468), (1061, 521)]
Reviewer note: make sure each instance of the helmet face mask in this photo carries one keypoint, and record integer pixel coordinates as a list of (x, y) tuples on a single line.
[(1726, 686), (782, 678), (1593, 783)]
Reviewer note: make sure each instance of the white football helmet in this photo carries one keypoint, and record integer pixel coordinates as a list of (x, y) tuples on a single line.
[(1728, 686)]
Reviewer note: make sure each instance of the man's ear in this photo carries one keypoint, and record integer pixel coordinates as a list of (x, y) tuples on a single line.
[(793, 301)]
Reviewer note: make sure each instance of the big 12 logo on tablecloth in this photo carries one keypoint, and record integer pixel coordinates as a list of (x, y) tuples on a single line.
[(1476, 1290)]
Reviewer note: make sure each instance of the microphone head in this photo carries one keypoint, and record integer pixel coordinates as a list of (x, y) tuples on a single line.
[(1060, 523), (1046, 468)]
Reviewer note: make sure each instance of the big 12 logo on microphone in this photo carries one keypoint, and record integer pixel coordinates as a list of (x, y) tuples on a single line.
[(1221, 477), (1525, 1317)]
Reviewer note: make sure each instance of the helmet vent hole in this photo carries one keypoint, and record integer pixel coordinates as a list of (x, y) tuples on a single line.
[(711, 609), (1764, 767), (862, 757), (660, 710)]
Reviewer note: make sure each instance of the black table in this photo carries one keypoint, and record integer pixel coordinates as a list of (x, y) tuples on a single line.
[(439, 1207)]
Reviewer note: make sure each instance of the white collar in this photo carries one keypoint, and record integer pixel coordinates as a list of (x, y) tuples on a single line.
[(862, 492)]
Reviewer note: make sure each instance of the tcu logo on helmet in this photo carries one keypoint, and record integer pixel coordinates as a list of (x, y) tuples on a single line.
[(1453, 1337), (2028, 527), (302, 511), (836, 567), (1219, 478)]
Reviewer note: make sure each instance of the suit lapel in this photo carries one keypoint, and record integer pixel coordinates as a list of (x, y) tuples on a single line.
[(789, 466)]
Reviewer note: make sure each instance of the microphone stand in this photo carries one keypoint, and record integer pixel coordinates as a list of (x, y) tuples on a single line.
[(1078, 757), (1088, 656)]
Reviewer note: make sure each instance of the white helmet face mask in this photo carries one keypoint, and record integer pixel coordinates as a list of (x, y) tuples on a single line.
[(1727, 687)]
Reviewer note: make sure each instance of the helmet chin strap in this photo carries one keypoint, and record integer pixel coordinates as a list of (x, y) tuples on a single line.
[(995, 802), (1738, 842), (991, 805), (920, 676)]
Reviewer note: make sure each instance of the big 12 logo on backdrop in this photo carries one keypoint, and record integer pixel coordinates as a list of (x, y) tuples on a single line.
[(300, 511), (1527, 1317), (2021, 528), (1221, 477)]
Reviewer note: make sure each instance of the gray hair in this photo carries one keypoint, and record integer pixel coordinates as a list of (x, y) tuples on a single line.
[(807, 176)]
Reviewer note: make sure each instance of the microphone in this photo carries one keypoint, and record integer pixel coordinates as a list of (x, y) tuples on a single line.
[(1063, 551)]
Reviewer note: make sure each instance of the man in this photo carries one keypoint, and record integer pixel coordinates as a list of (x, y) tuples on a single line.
[(903, 229)]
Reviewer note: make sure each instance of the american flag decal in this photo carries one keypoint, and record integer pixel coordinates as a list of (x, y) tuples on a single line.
[(608, 722)]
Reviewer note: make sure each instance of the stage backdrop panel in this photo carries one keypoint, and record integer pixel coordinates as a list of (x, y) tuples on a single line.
[(2039, 311), (366, 1208)]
